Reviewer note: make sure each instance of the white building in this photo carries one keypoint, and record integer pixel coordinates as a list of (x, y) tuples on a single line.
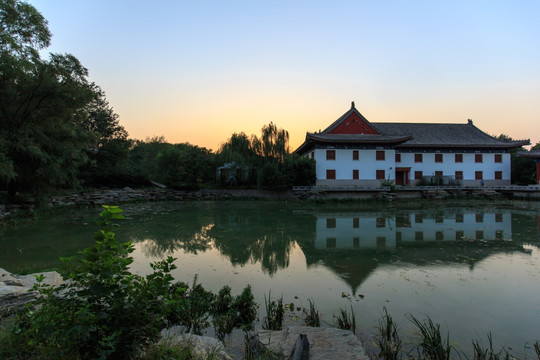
[(353, 151)]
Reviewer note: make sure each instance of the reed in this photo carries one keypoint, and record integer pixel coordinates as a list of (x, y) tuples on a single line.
[(313, 316), (388, 340), (432, 344), (345, 321)]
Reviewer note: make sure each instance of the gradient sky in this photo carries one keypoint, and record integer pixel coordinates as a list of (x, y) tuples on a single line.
[(198, 71)]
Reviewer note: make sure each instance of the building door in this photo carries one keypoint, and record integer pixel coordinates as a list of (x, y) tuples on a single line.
[(402, 176)]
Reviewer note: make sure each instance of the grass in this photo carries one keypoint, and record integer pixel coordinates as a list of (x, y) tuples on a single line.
[(274, 313), (388, 341), (345, 321), (432, 344), (313, 316)]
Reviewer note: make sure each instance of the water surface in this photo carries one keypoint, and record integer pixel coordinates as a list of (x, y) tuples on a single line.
[(473, 268)]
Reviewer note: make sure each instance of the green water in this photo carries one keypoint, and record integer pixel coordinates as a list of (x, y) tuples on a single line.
[(473, 268)]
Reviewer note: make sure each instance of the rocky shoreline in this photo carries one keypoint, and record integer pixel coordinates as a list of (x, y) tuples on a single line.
[(322, 343)]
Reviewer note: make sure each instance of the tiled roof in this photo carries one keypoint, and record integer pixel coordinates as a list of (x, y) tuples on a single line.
[(532, 153), (409, 135), (446, 135)]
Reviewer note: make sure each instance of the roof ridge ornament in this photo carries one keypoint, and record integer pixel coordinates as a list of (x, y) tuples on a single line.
[(352, 105)]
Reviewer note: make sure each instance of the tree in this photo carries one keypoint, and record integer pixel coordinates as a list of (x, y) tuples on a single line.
[(522, 168), (49, 113), (102, 121)]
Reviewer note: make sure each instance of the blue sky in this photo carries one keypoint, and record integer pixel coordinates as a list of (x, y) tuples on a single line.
[(199, 71)]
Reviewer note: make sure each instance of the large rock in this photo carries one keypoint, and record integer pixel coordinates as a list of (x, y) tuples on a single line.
[(203, 346), (15, 290), (324, 343)]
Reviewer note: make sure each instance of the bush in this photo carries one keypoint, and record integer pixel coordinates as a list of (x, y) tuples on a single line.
[(104, 311)]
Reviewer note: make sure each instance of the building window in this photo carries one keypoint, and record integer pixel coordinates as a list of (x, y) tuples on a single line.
[(417, 175), (355, 223), (499, 235), (418, 235), (479, 235), (498, 175), (438, 173), (479, 217), (498, 158), (330, 154), (381, 242), (477, 158), (381, 222), (459, 218), (331, 174), (498, 217), (403, 221), (331, 243), (438, 158), (439, 235), (380, 174), (355, 175), (418, 218), (459, 158), (418, 158), (356, 242), (459, 175), (398, 157), (331, 223), (379, 155), (459, 235), (478, 175), (355, 155)]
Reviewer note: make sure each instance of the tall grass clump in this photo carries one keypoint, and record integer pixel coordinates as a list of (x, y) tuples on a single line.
[(344, 320), (388, 340), (313, 316), (275, 312), (432, 344)]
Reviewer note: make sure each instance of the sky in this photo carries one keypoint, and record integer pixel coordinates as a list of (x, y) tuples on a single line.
[(199, 71)]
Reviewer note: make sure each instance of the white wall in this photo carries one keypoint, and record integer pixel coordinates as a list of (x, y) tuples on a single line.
[(368, 165), (428, 166), (344, 164)]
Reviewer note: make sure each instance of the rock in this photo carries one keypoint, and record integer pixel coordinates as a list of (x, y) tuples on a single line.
[(325, 343), (203, 346), (15, 290)]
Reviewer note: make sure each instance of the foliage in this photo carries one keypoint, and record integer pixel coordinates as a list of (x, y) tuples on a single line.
[(274, 313), (313, 316), (229, 312), (182, 166), (45, 107), (481, 353), (432, 345), (102, 310), (344, 320), (388, 340)]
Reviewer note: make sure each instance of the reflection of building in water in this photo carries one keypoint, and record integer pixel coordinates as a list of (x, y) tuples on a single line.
[(355, 231), (345, 231)]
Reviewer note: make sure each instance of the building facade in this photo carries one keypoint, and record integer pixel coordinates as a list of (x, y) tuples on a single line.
[(355, 152)]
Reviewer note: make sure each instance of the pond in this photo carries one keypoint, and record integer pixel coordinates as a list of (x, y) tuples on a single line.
[(472, 267)]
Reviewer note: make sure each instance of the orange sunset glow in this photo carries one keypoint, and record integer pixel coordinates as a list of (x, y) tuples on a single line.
[(199, 71)]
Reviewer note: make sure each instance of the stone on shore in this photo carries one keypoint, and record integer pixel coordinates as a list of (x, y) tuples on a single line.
[(203, 346), (324, 343), (15, 290)]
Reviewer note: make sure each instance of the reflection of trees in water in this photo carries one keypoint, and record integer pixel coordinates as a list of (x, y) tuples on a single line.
[(260, 236), (192, 243), (169, 231)]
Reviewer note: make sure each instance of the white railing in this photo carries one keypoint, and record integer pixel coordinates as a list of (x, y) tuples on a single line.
[(416, 188)]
